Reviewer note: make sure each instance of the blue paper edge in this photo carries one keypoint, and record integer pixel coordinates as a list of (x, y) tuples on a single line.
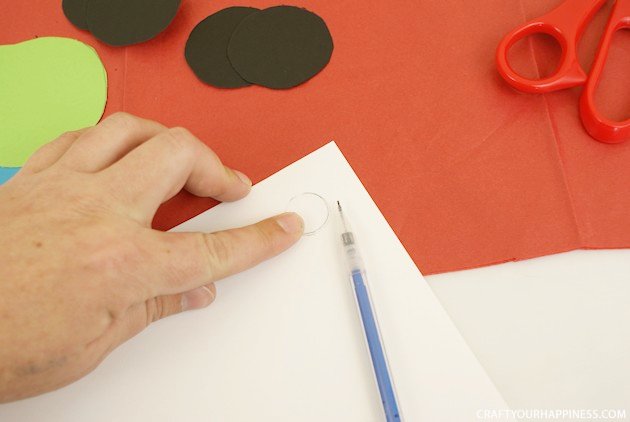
[(7, 172)]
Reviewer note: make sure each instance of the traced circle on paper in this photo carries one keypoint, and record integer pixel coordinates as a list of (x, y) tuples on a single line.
[(313, 208)]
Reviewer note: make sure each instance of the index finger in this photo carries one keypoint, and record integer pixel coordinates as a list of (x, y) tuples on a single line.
[(181, 262)]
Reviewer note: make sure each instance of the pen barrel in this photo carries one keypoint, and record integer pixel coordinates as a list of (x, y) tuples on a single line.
[(377, 352), (353, 258)]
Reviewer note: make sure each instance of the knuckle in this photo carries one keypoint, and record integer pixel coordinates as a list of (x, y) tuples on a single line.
[(41, 152), (191, 263), (71, 134), (180, 130), (121, 119), (266, 238), (219, 252), (180, 140), (111, 257), (50, 147), (181, 133), (113, 265), (120, 116), (116, 308), (155, 310)]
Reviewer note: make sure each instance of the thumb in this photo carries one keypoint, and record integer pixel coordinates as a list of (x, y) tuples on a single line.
[(195, 299), (140, 315), (184, 267), (164, 306)]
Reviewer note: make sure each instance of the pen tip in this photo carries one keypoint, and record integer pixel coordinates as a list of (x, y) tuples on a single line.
[(339, 206)]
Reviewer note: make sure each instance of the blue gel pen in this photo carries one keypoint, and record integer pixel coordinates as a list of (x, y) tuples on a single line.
[(370, 327)]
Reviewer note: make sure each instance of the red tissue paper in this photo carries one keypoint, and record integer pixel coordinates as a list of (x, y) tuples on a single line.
[(467, 171)]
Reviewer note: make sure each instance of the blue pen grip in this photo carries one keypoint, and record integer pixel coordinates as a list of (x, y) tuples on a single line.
[(379, 361)]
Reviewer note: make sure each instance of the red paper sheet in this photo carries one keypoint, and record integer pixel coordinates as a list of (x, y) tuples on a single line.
[(467, 171)]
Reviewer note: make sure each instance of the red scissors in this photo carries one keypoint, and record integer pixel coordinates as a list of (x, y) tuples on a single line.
[(566, 23)]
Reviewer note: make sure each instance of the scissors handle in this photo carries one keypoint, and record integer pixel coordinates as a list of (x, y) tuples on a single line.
[(565, 23), (598, 126)]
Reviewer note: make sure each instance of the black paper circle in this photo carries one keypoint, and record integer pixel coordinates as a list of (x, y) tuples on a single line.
[(206, 49), (280, 47), (126, 22), (76, 11)]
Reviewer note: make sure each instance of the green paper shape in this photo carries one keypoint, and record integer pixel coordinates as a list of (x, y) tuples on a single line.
[(48, 86)]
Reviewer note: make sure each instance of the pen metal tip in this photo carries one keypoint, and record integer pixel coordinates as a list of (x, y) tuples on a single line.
[(339, 206)]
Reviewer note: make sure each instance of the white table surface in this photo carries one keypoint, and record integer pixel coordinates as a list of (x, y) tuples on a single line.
[(551, 332)]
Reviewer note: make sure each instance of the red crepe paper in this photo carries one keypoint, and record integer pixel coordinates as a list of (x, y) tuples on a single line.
[(467, 171)]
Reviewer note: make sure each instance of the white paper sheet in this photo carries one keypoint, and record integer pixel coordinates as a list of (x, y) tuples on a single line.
[(283, 341)]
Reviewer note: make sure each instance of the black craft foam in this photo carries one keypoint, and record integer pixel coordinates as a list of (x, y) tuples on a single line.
[(280, 47), (127, 22), (206, 49), (76, 11)]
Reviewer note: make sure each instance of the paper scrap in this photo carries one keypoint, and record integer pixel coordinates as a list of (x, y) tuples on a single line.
[(6, 173), (283, 341), (48, 86)]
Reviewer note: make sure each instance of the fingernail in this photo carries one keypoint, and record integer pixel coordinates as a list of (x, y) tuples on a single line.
[(243, 178), (197, 299), (291, 223)]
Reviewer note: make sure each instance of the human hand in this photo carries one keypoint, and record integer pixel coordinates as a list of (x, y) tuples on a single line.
[(81, 269)]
